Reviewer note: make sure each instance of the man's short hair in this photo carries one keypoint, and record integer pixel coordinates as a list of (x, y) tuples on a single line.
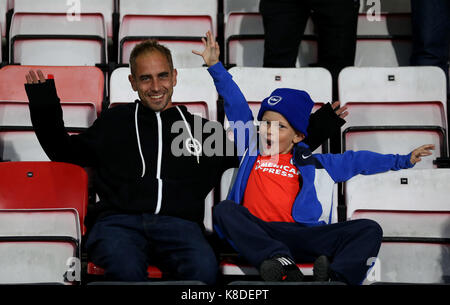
[(148, 46)]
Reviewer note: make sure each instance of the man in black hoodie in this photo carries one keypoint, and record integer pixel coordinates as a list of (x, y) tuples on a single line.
[(151, 204)]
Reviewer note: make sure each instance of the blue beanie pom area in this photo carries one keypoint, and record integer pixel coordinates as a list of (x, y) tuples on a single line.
[(294, 105)]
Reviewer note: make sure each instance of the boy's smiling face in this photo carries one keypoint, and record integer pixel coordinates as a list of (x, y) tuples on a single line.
[(277, 136)]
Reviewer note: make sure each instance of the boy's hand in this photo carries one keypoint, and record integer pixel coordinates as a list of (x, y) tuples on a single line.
[(33, 79), (422, 151), (340, 111), (211, 52)]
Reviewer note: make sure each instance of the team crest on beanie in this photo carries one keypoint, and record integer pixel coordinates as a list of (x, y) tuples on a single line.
[(273, 100)]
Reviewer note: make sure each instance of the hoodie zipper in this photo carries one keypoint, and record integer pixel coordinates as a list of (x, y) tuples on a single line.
[(158, 168)]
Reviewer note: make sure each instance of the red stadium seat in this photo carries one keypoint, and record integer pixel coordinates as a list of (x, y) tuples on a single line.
[(81, 90), (43, 185), (42, 209), (83, 86), (153, 272)]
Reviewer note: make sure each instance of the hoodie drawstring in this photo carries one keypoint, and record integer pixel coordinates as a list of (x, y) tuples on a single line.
[(190, 133), (138, 139)]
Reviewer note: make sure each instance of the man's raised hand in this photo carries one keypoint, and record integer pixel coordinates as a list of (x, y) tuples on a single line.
[(340, 111), (211, 52), (33, 79)]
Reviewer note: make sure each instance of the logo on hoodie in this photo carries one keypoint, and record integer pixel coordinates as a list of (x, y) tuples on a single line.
[(193, 146)]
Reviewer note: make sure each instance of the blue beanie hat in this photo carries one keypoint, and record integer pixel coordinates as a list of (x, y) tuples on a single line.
[(294, 105)]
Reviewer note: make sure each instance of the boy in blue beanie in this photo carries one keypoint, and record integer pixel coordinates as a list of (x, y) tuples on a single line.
[(279, 209)]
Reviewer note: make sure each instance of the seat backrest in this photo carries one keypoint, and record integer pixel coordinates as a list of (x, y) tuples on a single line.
[(383, 34), (388, 104), (21, 145), (382, 52), (409, 205), (248, 6), (394, 96), (391, 7), (172, 23), (75, 115), (402, 141), (405, 190), (40, 223), (170, 8), (195, 89), (56, 24), (258, 83), (73, 9), (386, 25), (3, 10), (43, 185), (411, 262), (73, 84)]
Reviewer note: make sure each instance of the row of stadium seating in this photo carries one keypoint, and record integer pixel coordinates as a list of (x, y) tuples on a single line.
[(43, 205), (83, 32), (390, 112), (392, 109)]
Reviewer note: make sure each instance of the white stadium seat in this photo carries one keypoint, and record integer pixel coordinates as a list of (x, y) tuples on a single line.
[(388, 103), (173, 23), (412, 208), (383, 34), (244, 36), (73, 9), (60, 42)]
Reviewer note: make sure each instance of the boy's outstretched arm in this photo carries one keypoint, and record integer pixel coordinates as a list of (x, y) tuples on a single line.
[(342, 167)]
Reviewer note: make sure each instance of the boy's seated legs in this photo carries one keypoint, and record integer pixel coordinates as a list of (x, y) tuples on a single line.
[(348, 245), (259, 248), (253, 242)]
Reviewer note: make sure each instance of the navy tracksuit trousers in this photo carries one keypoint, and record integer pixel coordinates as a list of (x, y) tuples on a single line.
[(348, 245)]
